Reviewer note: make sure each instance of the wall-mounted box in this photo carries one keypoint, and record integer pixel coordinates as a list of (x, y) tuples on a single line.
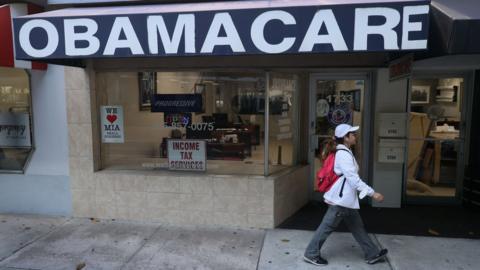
[(392, 125), (391, 151)]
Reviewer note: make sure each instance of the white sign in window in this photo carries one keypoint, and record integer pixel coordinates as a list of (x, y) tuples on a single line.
[(14, 130), (112, 124), (187, 155)]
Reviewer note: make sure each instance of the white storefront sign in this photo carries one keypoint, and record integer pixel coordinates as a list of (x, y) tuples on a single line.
[(187, 155), (14, 130), (112, 124)]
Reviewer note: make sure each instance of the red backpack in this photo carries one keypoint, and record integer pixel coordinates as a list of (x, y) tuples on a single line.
[(326, 176)]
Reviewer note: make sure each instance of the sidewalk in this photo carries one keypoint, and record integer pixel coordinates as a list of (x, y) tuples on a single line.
[(35, 242), (283, 249)]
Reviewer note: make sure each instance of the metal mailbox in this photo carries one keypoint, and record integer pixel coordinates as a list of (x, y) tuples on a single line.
[(391, 151)]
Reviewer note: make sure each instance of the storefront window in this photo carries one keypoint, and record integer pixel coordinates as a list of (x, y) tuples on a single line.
[(230, 118), (434, 139), (283, 122), (15, 119)]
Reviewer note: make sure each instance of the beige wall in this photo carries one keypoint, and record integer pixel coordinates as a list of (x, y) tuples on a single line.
[(391, 97), (291, 193)]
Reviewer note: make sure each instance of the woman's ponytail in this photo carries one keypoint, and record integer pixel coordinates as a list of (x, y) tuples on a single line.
[(328, 146)]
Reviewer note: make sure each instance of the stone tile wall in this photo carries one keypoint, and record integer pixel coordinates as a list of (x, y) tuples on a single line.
[(231, 201), (291, 193)]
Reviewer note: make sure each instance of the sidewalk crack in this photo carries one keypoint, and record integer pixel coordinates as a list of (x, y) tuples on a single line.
[(261, 248), (141, 247), (386, 257)]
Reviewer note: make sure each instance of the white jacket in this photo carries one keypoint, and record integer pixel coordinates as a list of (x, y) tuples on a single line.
[(346, 164)]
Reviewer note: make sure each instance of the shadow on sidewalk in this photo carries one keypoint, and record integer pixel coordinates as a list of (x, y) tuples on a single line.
[(444, 221)]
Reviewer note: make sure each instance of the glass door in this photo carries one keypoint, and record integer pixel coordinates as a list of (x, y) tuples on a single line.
[(435, 143), (333, 102)]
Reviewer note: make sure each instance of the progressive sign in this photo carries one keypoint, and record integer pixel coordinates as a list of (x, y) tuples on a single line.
[(390, 26)]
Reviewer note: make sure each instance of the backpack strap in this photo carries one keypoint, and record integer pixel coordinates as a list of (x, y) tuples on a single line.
[(344, 179)]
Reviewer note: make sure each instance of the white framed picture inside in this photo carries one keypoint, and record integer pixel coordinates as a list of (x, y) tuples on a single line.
[(420, 94)]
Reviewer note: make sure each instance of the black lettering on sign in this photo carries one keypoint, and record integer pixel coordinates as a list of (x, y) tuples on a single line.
[(111, 110)]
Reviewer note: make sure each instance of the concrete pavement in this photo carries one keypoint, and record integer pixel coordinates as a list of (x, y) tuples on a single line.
[(46, 243), (283, 249)]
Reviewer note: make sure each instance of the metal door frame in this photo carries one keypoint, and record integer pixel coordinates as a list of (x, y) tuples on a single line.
[(366, 125)]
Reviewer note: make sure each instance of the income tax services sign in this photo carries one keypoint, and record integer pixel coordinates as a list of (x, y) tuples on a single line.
[(232, 28), (187, 155)]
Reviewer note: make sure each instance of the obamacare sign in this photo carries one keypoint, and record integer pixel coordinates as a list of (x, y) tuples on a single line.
[(126, 32)]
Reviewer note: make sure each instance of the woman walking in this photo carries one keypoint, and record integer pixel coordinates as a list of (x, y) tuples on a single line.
[(343, 203)]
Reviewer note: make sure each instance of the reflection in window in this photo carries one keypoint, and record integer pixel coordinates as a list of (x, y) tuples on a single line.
[(15, 128), (283, 134)]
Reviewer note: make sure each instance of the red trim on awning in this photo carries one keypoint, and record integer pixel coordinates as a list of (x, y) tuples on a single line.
[(7, 58), (32, 9), (6, 36)]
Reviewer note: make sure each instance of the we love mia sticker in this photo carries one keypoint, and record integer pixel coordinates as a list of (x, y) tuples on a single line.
[(112, 124)]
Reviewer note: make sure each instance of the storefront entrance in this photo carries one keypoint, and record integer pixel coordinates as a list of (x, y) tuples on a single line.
[(336, 100)]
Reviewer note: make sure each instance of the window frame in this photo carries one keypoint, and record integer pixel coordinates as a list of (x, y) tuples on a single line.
[(266, 115), (468, 79)]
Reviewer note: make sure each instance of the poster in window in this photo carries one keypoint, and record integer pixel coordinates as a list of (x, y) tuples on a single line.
[(340, 114), (15, 130), (147, 85), (112, 124)]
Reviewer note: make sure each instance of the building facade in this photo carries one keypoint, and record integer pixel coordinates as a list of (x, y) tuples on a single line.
[(217, 113), (34, 173)]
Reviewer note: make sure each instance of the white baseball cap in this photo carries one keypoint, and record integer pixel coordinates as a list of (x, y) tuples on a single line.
[(343, 129)]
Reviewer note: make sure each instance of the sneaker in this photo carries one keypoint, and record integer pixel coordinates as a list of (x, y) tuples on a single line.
[(316, 261), (381, 255)]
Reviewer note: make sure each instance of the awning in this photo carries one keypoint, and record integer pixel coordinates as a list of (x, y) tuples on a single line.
[(455, 27), (231, 28), (7, 50)]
